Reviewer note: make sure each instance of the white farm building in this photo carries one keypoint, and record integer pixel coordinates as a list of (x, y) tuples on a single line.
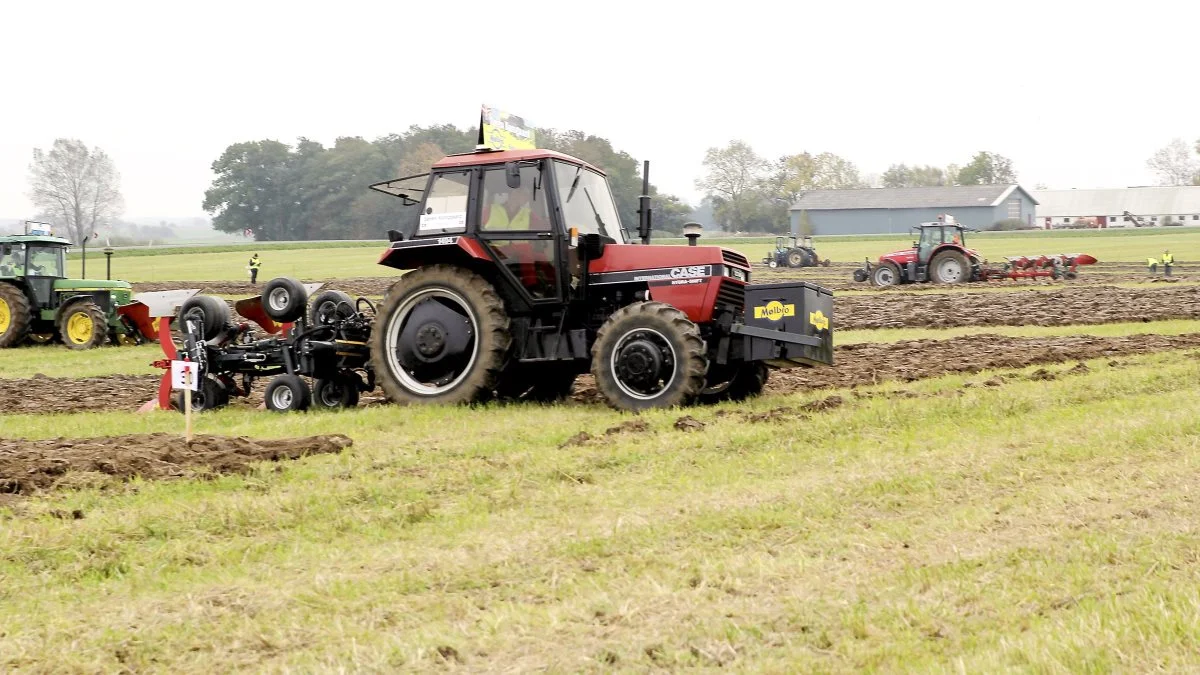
[(1118, 207)]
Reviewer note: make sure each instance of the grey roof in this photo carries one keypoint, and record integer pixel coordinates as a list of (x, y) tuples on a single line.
[(1140, 201), (906, 198)]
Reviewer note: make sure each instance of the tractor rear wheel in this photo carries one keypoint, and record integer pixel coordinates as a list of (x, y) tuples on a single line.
[(795, 258), (649, 355), (82, 325), (950, 267), (14, 316), (886, 274), (442, 337), (747, 382), (340, 391)]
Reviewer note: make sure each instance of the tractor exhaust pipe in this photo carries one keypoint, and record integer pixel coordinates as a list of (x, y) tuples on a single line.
[(644, 206)]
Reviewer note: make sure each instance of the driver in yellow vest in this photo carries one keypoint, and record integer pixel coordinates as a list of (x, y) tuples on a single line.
[(515, 214)]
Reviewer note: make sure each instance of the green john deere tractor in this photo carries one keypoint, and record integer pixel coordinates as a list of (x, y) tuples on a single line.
[(39, 303)]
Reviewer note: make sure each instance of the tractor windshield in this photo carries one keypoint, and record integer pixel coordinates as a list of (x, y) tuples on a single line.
[(46, 261), (587, 203)]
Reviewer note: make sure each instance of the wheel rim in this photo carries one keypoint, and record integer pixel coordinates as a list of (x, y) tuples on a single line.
[(950, 270), (332, 394), (279, 298), (436, 350), (80, 327), (282, 397), (5, 316), (795, 260), (639, 361), (884, 276)]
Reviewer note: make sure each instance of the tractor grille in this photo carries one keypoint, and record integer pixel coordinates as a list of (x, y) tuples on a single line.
[(731, 294), (734, 258)]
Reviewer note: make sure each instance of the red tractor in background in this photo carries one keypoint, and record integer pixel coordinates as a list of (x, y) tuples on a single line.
[(523, 277), (940, 255)]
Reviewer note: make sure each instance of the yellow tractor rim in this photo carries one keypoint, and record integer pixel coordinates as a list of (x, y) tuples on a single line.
[(5, 316), (80, 327)]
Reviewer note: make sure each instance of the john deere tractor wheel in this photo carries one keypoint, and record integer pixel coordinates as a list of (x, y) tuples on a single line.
[(442, 336), (649, 355), (287, 393), (14, 316), (887, 274), (747, 381), (950, 267), (82, 325), (284, 299), (210, 396), (340, 391)]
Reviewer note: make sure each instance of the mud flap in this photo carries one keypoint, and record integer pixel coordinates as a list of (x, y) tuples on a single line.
[(788, 325)]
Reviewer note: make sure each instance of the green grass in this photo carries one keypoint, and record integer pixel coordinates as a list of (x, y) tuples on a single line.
[(55, 360), (1043, 527), (359, 259)]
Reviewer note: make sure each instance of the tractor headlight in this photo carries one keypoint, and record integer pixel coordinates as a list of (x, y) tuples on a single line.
[(738, 274)]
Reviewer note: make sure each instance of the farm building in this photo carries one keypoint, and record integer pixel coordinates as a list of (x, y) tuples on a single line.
[(892, 210), (1106, 208)]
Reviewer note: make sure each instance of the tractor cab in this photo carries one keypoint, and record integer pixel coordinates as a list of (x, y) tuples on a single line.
[(931, 236), (524, 277)]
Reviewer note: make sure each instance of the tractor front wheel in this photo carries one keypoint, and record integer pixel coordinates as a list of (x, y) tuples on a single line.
[(649, 355), (82, 325), (442, 336), (887, 274), (951, 267), (14, 315)]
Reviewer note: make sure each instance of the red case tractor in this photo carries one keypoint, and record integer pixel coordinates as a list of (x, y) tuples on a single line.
[(522, 277)]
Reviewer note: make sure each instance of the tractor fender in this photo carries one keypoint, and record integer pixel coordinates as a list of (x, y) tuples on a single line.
[(102, 299), (414, 253)]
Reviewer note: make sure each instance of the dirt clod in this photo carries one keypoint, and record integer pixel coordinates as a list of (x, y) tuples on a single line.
[(688, 423), (631, 427), (578, 439), (1042, 375), (827, 403), (31, 466)]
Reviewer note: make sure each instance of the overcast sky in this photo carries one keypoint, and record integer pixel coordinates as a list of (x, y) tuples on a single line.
[(1077, 94)]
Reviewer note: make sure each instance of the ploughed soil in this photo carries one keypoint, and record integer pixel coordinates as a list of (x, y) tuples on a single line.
[(840, 277), (31, 466), (1067, 305), (873, 363), (40, 394)]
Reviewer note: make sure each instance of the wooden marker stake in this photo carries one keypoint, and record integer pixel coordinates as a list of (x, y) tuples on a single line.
[(187, 402)]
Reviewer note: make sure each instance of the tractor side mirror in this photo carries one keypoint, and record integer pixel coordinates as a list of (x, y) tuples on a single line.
[(512, 175), (593, 246)]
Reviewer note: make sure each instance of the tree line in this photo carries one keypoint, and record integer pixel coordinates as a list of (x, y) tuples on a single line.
[(750, 193), (278, 191)]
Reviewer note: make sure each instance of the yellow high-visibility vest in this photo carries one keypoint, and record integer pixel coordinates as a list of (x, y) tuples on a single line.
[(255, 263), (1168, 258), (498, 219), (1150, 262)]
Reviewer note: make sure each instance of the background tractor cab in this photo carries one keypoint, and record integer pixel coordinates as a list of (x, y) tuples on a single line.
[(38, 301), (525, 277), (939, 253)]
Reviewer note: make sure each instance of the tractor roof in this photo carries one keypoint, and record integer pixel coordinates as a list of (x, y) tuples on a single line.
[(501, 156), (33, 239)]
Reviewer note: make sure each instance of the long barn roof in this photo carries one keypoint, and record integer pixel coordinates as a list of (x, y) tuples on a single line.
[(906, 198), (1149, 201)]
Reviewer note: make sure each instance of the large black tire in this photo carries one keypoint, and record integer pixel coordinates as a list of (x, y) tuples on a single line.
[(14, 315), (950, 267), (442, 336), (340, 391), (748, 381), (287, 393), (211, 313), (795, 258), (328, 307), (886, 274), (649, 355), (82, 325), (284, 299), (210, 396)]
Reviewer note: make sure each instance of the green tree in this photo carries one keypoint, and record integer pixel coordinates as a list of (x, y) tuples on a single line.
[(732, 180), (987, 168), (900, 175), (255, 189)]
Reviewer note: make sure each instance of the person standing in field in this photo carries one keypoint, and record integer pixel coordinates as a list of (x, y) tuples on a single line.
[(1152, 266), (1167, 260), (255, 263)]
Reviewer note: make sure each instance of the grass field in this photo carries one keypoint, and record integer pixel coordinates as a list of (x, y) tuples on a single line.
[(1045, 526), (359, 259)]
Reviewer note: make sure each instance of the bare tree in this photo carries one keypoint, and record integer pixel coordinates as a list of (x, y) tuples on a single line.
[(76, 187), (1174, 164), (732, 175)]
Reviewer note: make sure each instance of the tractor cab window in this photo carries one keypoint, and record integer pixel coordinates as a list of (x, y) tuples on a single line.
[(587, 203), (47, 261), (12, 260), (519, 209), (445, 209)]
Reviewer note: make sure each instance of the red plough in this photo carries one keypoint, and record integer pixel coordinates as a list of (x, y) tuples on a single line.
[(1062, 266)]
